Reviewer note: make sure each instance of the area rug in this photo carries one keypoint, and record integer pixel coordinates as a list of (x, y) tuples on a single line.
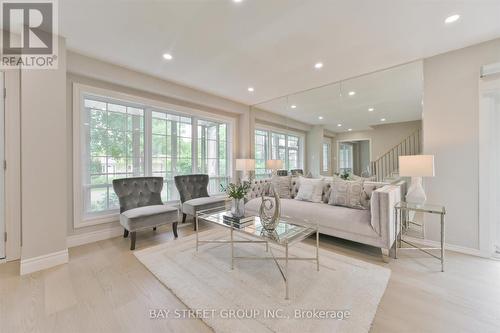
[(342, 297)]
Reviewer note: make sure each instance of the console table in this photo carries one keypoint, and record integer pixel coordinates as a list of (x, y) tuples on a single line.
[(401, 210)]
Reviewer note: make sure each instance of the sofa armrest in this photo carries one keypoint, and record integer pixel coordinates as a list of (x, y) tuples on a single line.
[(382, 213)]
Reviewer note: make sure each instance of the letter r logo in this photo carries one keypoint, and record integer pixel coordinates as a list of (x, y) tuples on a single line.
[(27, 27)]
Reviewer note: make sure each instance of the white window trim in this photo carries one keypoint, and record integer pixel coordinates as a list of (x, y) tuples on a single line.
[(79, 90), (352, 140)]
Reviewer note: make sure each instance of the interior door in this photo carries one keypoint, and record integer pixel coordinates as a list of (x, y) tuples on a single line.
[(2, 169)]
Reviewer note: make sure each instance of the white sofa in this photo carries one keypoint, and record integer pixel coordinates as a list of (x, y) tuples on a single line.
[(373, 226)]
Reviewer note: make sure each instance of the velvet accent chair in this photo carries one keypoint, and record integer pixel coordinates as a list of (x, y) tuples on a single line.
[(141, 206), (297, 172), (193, 192)]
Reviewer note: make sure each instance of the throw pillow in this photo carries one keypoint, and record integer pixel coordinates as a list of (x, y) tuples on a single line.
[(310, 190), (281, 184), (346, 193), (366, 196)]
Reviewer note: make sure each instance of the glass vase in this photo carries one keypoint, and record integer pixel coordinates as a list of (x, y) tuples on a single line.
[(238, 207)]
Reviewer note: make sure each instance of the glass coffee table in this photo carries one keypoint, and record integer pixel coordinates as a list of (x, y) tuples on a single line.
[(285, 235)]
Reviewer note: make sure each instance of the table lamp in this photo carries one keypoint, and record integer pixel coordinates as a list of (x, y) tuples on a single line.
[(416, 167), (245, 165), (274, 165)]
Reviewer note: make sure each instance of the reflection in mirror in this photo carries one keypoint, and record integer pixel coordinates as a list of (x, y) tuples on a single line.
[(359, 126)]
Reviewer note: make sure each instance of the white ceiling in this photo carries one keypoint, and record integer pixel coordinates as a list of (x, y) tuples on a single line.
[(224, 47), (395, 94)]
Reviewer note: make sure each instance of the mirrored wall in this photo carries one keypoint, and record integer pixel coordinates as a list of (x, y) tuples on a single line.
[(357, 126)]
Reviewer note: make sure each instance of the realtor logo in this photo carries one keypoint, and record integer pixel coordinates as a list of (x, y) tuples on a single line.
[(29, 35)]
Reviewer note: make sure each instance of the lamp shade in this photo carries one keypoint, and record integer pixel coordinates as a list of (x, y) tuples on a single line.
[(245, 164), (274, 164), (416, 166)]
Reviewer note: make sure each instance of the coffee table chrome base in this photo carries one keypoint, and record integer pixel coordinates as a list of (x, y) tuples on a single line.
[(283, 269)]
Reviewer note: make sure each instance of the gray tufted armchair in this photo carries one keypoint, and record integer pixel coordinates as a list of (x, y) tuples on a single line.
[(141, 206), (194, 195)]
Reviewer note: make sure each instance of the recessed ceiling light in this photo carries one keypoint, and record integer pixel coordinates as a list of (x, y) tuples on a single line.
[(318, 65), (383, 119), (352, 93), (237, 1), (293, 106), (320, 117), (167, 56), (251, 89), (371, 109), (349, 129), (339, 125), (452, 18)]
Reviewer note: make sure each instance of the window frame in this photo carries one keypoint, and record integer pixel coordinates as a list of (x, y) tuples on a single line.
[(287, 133), (81, 91)]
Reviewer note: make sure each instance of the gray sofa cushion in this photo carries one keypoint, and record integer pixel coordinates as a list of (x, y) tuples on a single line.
[(354, 221), (148, 216), (192, 206)]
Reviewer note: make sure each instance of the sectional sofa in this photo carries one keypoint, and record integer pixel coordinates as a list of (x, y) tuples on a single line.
[(373, 226)]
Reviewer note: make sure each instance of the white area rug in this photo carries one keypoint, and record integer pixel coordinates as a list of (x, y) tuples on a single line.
[(204, 281)]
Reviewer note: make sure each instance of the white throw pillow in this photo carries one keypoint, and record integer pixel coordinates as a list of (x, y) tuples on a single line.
[(310, 189)]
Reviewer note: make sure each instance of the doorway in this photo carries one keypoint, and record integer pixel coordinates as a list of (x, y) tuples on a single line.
[(489, 166), (354, 157)]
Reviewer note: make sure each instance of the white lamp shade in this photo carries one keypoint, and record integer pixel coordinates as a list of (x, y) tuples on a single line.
[(245, 164), (274, 164), (416, 166)]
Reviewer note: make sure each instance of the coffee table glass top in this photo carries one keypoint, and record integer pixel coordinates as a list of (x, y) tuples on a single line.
[(286, 231)]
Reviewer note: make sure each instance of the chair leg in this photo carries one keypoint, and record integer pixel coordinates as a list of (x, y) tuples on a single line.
[(174, 228), (154, 228), (132, 240), (183, 218), (125, 233)]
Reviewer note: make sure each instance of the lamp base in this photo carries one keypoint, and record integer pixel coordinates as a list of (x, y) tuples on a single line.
[(416, 193)]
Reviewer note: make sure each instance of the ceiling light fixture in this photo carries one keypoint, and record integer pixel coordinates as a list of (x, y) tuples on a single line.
[(383, 119), (339, 125), (318, 65), (237, 1), (371, 109), (352, 93), (167, 56), (320, 117), (293, 106), (349, 129), (452, 18), (251, 89)]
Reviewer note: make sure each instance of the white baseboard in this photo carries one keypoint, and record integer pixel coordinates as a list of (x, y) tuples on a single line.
[(94, 236), (451, 247), (35, 264)]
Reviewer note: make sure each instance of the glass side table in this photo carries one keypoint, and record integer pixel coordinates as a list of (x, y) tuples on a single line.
[(401, 210)]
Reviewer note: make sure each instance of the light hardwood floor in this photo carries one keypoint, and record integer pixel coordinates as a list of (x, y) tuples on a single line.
[(104, 288)]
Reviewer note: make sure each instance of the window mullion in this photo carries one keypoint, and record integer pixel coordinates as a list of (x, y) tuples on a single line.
[(148, 137), (194, 144)]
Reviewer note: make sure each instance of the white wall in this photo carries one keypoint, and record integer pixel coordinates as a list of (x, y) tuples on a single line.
[(44, 151), (450, 126), (314, 141)]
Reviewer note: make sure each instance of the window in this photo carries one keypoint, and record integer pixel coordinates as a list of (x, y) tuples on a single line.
[(261, 153), (281, 146), (326, 158), (120, 139), (345, 157), (114, 148)]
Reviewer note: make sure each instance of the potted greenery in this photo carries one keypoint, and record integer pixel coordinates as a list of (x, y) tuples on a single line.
[(237, 193)]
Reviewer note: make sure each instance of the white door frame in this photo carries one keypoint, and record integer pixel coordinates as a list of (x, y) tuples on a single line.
[(489, 164)]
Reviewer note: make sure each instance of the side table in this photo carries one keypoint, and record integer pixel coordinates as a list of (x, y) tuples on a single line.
[(401, 210)]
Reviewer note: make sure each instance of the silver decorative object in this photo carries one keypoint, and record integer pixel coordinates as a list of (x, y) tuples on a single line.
[(269, 218), (238, 207)]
